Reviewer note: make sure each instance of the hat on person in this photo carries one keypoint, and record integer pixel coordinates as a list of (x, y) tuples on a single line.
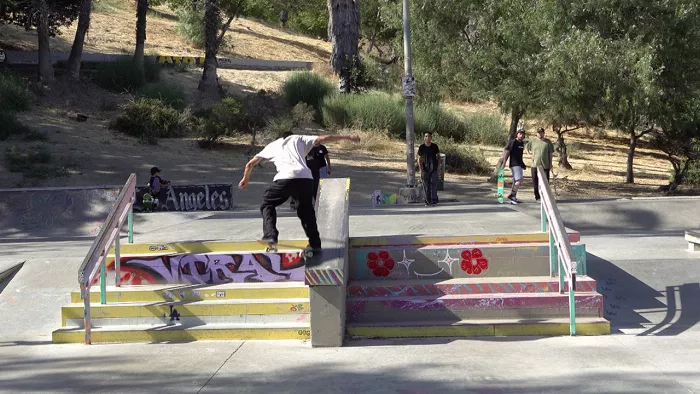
[(540, 130), (154, 170)]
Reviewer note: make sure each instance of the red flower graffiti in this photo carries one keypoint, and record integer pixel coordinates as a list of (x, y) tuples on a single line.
[(473, 262), (381, 264), (291, 260)]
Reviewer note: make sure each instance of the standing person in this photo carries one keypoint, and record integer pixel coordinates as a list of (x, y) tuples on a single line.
[(293, 179), (155, 186), (514, 151), (428, 154), (542, 151)]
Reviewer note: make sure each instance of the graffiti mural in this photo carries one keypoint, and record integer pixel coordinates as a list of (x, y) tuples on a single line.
[(211, 269)]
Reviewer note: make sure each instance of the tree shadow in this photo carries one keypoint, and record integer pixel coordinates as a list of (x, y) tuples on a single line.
[(310, 48)]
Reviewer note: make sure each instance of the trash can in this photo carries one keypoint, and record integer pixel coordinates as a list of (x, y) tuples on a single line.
[(441, 172)]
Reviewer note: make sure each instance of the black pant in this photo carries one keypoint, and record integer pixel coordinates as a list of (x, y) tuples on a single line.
[(430, 186), (300, 191), (317, 180), (535, 181)]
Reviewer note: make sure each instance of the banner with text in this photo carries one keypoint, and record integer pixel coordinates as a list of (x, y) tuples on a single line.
[(215, 197)]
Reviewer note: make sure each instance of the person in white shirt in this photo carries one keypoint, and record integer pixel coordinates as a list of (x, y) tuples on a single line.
[(293, 180)]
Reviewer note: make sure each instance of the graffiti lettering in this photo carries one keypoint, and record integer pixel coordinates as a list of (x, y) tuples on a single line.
[(198, 61), (185, 201)]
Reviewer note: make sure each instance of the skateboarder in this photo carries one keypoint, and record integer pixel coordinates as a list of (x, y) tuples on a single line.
[(514, 151), (542, 150), (293, 180), (156, 189)]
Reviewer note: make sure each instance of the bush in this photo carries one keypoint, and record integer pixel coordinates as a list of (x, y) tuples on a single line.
[(227, 117), (14, 95), (460, 159), (312, 23), (380, 76), (692, 175), (306, 87), (172, 95), (150, 119), (191, 26), (368, 111), (485, 129), (432, 117), (11, 126), (33, 163), (121, 75)]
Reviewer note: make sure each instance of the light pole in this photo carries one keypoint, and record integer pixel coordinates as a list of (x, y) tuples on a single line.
[(408, 88)]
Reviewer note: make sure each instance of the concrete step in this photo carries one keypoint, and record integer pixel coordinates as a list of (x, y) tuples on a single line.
[(455, 261), (168, 333), (470, 306), (479, 328), (189, 313), (230, 291), (432, 287)]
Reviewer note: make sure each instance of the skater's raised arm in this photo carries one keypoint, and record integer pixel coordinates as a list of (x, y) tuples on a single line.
[(248, 169), (332, 138)]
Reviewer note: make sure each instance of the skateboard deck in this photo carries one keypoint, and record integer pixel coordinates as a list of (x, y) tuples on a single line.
[(501, 182), (306, 252)]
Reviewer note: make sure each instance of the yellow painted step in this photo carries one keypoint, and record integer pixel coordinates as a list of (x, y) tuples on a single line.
[(159, 249), (179, 334), (193, 309), (551, 327), (160, 293)]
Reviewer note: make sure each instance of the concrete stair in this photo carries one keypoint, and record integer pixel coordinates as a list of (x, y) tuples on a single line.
[(162, 313), (471, 307)]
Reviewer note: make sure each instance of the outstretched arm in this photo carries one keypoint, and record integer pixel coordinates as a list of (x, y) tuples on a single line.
[(332, 138), (248, 169)]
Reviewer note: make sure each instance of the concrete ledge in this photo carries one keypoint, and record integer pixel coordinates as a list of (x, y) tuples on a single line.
[(410, 195), (327, 278), (456, 241), (693, 238)]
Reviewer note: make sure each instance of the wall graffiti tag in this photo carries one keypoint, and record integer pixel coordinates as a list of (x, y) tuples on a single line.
[(210, 269), (214, 197)]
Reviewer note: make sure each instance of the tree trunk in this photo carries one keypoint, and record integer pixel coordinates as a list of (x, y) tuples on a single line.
[(515, 115), (46, 74), (563, 151), (344, 30), (209, 84), (76, 51), (141, 11), (371, 41), (630, 156)]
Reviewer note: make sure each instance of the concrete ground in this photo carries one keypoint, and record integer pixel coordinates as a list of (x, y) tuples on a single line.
[(636, 252)]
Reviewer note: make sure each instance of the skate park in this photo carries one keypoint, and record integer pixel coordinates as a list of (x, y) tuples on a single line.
[(408, 287)]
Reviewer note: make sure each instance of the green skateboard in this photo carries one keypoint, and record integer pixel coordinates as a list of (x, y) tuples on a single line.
[(501, 182)]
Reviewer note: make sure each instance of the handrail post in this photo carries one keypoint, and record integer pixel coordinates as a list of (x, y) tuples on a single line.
[(131, 224), (103, 282), (117, 262), (543, 216), (554, 257), (572, 308), (85, 291)]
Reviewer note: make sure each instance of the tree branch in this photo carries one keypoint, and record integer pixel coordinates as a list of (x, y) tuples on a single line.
[(645, 132), (224, 28)]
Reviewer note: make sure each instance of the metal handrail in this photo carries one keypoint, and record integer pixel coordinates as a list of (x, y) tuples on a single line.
[(561, 252), (96, 257)]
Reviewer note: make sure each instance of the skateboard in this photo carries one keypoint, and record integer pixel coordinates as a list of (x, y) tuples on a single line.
[(306, 253), (501, 182)]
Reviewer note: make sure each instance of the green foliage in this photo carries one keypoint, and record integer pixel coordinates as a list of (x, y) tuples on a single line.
[(306, 87), (25, 13), (227, 117), (313, 23), (170, 94), (460, 159), (191, 25), (149, 119), (120, 76), (486, 129), (14, 95), (692, 174), (10, 126), (34, 162)]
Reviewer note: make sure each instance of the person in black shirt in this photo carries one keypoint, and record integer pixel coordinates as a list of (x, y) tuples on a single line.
[(320, 165), (428, 154), (514, 151)]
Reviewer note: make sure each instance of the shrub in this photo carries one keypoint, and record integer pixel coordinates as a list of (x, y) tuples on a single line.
[(170, 94), (302, 114), (150, 119), (312, 23), (380, 76), (10, 125), (692, 175), (432, 117), (485, 129), (33, 163), (14, 95), (227, 117), (121, 75), (460, 159), (306, 87), (191, 26)]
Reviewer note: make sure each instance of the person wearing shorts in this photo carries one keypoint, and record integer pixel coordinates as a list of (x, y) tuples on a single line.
[(514, 151)]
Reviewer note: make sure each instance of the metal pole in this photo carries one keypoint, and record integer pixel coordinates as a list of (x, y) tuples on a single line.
[(103, 282), (543, 217), (572, 310), (117, 262), (85, 290), (131, 224), (410, 133)]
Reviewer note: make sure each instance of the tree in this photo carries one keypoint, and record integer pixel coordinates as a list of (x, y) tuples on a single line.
[(376, 26), (46, 16), (141, 13), (76, 52), (344, 33), (214, 32)]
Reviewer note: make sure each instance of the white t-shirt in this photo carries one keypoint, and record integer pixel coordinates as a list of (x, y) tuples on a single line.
[(289, 156)]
